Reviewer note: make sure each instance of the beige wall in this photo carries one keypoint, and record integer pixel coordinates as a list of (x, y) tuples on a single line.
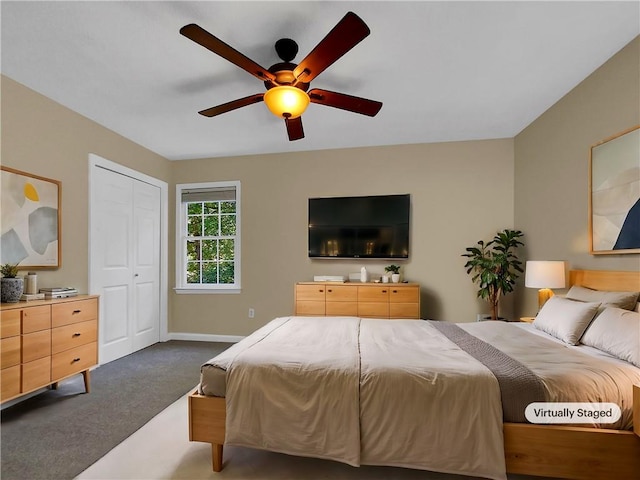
[(461, 192), (552, 161), (42, 137)]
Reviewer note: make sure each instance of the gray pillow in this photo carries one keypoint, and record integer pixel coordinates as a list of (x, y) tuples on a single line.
[(565, 319), (625, 300), (617, 332)]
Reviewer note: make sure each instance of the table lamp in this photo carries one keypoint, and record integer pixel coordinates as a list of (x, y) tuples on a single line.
[(544, 275)]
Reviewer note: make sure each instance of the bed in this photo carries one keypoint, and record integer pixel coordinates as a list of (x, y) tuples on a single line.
[(361, 425)]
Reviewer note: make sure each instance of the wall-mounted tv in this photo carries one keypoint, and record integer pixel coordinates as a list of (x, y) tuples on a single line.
[(359, 227)]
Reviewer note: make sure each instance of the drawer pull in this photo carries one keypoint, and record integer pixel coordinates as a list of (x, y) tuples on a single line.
[(384, 291), (76, 311), (77, 334), (394, 291), (321, 290), (329, 290), (76, 360)]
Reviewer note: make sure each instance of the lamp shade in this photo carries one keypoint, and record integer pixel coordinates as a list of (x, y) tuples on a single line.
[(286, 101), (544, 274)]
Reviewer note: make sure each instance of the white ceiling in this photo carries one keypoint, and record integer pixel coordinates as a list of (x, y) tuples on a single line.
[(445, 71)]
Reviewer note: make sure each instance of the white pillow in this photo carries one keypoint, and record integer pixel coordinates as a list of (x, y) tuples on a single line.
[(617, 332), (626, 300), (565, 319)]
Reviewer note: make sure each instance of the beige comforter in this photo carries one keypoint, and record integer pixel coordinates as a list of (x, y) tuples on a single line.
[(381, 392)]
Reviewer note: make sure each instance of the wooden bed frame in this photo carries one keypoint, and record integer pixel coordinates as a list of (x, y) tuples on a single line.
[(542, 450)]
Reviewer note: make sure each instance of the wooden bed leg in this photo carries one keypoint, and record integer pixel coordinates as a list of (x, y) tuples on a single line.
[(216, 455)]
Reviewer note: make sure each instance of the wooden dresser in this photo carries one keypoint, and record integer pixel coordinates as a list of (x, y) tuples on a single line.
[(45, 341), (372, 300)]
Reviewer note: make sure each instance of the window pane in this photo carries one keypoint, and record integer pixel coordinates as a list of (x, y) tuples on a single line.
[(194, 226), (209, 249), (193, 272), (228, 225), (226, 272), (211, 223), (209, 272), (227, 248), (228, 207), (193, 250), (211, 207), (194, 208)]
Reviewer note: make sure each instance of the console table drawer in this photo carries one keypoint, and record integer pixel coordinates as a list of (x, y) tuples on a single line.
[(71, 336), (342, 309), (373, 294), (309, 308), (73, 361), (373, 309), (404, 295), (310, 293), (404, 310)]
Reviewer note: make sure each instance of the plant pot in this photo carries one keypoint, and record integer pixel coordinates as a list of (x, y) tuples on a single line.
[(11, 289), (395, 277)]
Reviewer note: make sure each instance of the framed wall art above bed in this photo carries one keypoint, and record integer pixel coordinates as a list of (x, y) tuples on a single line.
[(614, 194), (30, 214)]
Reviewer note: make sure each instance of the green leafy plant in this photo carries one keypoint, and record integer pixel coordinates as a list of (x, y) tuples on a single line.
[(9, 271), (495, 266), (392, 268)]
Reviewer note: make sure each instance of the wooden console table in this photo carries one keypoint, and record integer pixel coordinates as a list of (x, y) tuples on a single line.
[(372, 300)]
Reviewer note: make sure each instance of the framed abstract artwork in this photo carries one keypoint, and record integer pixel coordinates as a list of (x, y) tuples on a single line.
[(30, 219), (614, 194)]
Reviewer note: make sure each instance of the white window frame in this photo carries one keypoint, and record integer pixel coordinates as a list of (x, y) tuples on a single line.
[(182, 287)]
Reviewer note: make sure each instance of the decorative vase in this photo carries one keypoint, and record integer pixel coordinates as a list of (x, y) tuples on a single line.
[(11, 289), (395, 277)]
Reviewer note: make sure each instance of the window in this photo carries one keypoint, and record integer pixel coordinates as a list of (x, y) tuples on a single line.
[(208, 237)]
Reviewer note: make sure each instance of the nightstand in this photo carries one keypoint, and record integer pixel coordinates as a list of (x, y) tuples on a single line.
[(527, 319)]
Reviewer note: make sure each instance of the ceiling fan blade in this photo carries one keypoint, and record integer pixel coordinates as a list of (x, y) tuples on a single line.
[(349, 31), (294, 128), (217, 46), (227, 107), (359, 105)]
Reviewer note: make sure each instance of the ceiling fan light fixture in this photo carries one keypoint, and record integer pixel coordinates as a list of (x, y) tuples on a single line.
[(286, 101)]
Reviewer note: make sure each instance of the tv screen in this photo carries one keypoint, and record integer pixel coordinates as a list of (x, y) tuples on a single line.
[(359, 227)]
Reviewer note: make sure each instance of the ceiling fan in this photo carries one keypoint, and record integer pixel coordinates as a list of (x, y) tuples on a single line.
[(287, 83)]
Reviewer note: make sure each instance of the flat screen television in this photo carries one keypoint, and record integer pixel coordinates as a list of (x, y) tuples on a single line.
[(359, 227)]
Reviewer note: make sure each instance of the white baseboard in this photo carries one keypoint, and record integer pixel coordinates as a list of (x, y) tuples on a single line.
[(204, 337)]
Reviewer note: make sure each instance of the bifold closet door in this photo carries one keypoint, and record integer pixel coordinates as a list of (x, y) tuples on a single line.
[(125, 259)]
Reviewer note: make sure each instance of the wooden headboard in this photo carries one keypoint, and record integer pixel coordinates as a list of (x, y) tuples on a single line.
[(612, 280)]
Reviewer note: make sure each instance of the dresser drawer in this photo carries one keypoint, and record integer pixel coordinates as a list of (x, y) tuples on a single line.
[(35, 319), (73, 361), (74, 335), (404, 294), (36, 374), (9, 352), (10, 382), (74, 312), (36, 345), (373, 294), (9, 323)]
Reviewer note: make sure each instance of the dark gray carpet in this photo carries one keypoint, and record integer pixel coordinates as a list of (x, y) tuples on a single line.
[(59, 433)]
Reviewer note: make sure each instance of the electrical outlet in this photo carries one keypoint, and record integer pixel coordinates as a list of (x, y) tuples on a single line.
[(252, 313)]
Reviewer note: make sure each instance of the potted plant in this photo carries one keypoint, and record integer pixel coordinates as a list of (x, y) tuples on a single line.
[(12, 285), (394, 270), (495, 266)]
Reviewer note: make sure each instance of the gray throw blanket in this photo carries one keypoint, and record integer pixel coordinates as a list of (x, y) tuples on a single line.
[(519, 386)]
